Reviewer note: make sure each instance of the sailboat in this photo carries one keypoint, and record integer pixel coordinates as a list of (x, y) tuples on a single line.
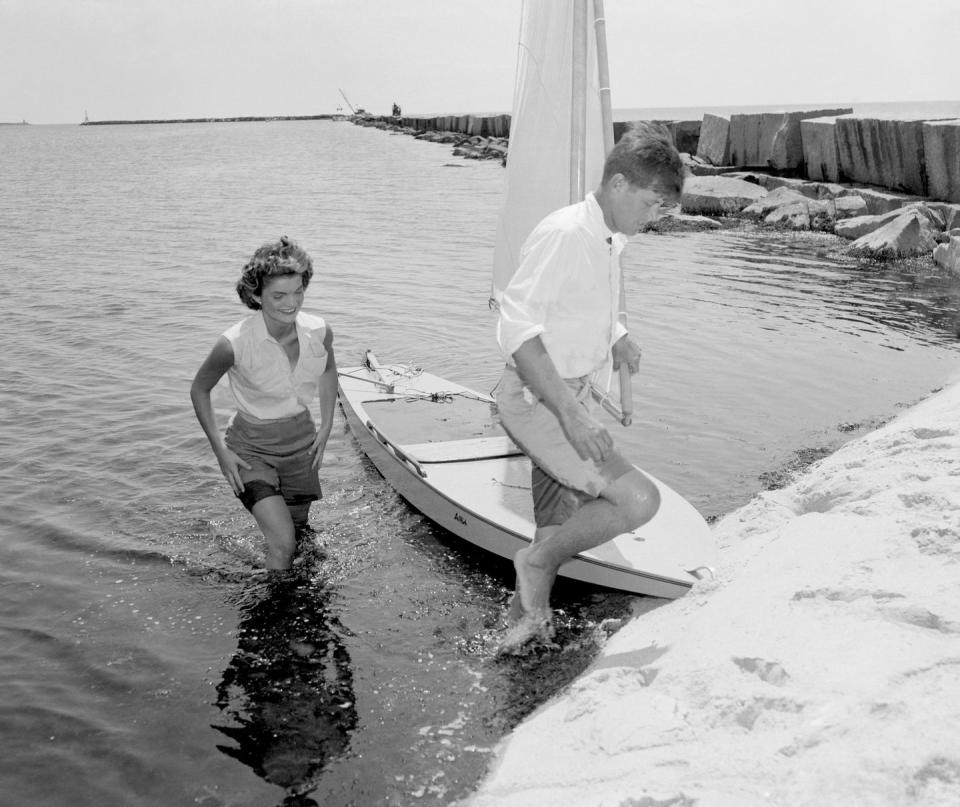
[(453, 462)]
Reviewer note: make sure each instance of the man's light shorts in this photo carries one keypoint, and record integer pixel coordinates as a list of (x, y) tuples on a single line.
[(562, 481)]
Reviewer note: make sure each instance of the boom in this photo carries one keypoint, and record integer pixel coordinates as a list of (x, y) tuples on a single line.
[(348, 101)]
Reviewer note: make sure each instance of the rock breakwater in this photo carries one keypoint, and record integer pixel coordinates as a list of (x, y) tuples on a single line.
[(472, 136), (802, 170), (880, 225)]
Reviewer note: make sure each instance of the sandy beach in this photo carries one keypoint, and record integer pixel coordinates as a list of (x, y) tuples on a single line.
[(820, 667)]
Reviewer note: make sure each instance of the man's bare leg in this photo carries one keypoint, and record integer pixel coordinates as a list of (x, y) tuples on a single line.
[(628, 503), (515, 611)]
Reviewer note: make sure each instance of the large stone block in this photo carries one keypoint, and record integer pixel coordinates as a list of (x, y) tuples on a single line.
[(716, 195), (880, 201), (683, 134), (501, 126), (714, 143), (884, 152), (861, 225), (779, 197), (772, 138), (820, 155), (686, 135), (950, 213), (941, 149), (947, 254), (845, 207), (786, 143), (909, 234), (745, 140)]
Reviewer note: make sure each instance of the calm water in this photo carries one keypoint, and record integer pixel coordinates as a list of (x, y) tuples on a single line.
[(142, 661)]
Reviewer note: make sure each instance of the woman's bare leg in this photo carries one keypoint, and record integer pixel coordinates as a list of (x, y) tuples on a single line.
[(276, 523)]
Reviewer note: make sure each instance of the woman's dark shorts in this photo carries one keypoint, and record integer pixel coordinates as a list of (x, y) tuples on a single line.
[(278, 452)]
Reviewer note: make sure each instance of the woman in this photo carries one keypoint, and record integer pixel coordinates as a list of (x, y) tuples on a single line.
[(277, 360)]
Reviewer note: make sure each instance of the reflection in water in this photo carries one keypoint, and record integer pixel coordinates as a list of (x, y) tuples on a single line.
[(289, 688)]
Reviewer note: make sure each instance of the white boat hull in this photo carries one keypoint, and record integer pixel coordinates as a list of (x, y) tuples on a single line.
[(478, 486)]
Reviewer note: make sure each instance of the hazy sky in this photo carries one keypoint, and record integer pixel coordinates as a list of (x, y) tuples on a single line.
[(135, 59)]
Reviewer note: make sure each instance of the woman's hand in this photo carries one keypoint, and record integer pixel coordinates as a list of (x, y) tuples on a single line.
[(230, 465), (317, 449)]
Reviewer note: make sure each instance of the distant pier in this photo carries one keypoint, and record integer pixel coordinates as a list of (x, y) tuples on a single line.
[(242, 119)]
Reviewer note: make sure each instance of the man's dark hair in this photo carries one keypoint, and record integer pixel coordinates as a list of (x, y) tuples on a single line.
[(646, 157)]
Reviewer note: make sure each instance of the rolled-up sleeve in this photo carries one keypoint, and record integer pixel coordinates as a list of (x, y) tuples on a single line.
[(527, 298)]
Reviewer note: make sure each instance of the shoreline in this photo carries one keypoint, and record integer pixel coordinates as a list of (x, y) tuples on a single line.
[(821, 665)]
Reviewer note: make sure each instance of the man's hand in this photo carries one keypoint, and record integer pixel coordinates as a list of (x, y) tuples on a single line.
[(626, 351), (590, 439)]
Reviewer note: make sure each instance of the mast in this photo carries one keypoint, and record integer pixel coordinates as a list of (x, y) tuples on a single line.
[(603, 75), (606, 114), (348, 101), (578, 103)]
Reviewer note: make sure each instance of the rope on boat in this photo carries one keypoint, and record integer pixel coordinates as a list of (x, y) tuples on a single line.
[(509, 484), (387, 387), (400, 372), (440, 397)]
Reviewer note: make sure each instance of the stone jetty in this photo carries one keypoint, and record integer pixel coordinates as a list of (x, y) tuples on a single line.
[(242, 119), (890, 186), (907, 155), (472, 136)]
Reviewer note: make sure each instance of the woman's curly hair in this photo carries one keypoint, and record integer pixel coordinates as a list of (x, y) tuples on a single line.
[(272, 260)]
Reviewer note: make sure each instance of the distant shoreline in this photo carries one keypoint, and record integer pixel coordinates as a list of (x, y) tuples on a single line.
[(242, 119)]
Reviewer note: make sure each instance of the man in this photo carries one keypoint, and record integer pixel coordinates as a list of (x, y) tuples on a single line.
[(558, 324)]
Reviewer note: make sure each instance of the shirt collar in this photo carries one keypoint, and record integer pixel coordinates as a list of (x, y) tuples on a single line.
[(598, 225), (260, 327), (260, 332)]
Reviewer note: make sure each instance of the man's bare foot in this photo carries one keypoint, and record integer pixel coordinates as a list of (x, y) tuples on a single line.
[(530, 631), (514, 610), (533, 583)]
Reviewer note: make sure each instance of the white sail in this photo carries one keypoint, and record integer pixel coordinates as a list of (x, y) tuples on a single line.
[(544, 123)]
